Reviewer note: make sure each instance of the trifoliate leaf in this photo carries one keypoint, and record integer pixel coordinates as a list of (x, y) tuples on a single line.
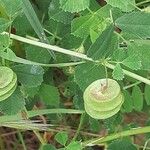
[(127, 5), (118, 72), (74, 5), (137, 98), (133, 62)]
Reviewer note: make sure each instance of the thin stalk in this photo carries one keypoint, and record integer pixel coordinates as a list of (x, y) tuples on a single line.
[(130, 74), (75, 54), (141, 3), (145, 145), (43, 142), (38, 135), (79, 127), (133, 131), (55, 36), (47, 46), (131, 85), (21, 140)]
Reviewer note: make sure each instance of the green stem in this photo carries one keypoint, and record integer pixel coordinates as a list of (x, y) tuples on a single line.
[(51, 47), (79, 127), (141, 3), (72, 53), (130, 74), (133, 131), (21, 140), (55, 36), (38, 135), (131, 85)]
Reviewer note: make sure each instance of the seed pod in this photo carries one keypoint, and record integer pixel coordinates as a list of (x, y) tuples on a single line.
[(8, 82), (103, 98)]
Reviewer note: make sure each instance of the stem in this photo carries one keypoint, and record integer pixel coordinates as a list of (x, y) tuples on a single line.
[(79, 127), (47, 46), (72, 53), (131, 85), (39, 137), (144, 2), (133, 75), (21, 140), (133, 131), (145, 145), (55, 36)]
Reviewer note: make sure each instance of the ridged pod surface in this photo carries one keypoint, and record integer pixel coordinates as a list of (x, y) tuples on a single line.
[(101, 101), (8, 82)]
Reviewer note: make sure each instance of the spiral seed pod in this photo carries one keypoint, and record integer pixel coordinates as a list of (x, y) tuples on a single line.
[(8, 82), (103, 100)]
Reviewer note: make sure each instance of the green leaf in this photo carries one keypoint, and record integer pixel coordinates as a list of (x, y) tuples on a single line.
[(147, 94), (22, 25), (56, 13), (74, 146), (80, 27), (136, 23), (47, 147), (137, 98), (73, 5), (30, 91), (119, 54), (123, 144), (14, 104), (133, 62), (86, 73), (112, 123), (94, 125), (28, 75), (128, 103), (126, 6), (96, 31), (100, 48), (4, 41), (62, 138), (10, 8), (4, 24), (140, 49), (50, 95), (118, 72), (37, 54)]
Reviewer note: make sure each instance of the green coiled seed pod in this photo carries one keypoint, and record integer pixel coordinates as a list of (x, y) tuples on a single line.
[(8, 82), (103, 98)]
